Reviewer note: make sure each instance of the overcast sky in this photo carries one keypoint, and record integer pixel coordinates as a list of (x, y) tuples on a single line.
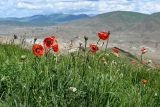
[(22, 8)]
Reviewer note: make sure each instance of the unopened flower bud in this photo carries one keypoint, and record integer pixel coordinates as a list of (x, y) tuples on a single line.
[(23, 57), (85, 38)]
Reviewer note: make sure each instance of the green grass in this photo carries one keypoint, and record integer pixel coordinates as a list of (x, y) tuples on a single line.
[(41, 82)]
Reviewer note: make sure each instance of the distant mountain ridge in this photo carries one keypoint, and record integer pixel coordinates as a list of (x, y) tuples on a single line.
[(116, 20), (42, 20), (121, 21)]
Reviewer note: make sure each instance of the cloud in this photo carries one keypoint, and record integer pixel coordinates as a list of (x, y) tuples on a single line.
[(22, 8), (27, 5)]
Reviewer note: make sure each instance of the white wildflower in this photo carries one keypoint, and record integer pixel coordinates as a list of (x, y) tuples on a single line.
[(73, 50), (155, 94), (73, 89), (149, 61)]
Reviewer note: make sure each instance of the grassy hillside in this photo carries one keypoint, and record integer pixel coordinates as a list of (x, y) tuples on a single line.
[(113, 20), (75, 80), (123, 17)]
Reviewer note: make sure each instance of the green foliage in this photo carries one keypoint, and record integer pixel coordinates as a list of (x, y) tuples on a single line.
[(46, 82)]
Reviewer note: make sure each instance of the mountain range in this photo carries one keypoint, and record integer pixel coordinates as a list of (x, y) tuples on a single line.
[(115, 21), (123, 21), (41, 20)]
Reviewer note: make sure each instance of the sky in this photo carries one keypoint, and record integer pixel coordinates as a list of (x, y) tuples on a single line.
[(23, 8)]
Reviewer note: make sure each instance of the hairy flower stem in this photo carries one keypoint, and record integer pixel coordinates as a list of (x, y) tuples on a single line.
[(80, 48), (86, 44), (36, 60), (86, 40), (98, 41), (24, 65), (141, 58), (102, 46), (107, 44), (73, 64), (46, 54), (87, 57)]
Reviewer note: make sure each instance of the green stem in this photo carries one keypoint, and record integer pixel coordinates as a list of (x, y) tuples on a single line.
[(85, 44), (107, 44), (141, 57), (98, 41), (46, 54), (23, 64), (85, 49)]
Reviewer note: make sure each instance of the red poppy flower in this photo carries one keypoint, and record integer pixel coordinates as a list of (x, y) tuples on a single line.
[(48, 41), (143, 50), (37, 49), (55, 47), (53, 37), (144, 81), (103, 35), (93, 48), (115, 50)]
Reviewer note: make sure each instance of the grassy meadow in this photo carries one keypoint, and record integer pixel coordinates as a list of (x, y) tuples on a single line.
[(78, 79)]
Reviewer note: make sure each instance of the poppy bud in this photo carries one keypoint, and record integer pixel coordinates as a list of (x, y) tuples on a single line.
[(85, 38), (23, 57), (109, 32), (35, 39), (103, 59), (15, 36)]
